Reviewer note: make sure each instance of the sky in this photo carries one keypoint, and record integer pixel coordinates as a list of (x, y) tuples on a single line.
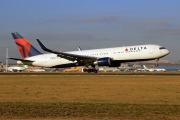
[(63, 25)]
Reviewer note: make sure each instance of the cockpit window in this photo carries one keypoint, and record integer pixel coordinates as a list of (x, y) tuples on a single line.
[(162, 48)]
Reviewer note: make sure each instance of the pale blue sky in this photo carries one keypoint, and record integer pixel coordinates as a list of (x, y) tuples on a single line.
[(65, 24)]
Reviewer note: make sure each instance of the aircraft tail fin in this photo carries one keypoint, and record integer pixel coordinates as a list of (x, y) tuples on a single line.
[(25, 48), (146, 68)]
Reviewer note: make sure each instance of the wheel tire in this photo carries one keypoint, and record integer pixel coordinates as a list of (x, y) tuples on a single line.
[(84, 70), (95, 71), (88, 70)]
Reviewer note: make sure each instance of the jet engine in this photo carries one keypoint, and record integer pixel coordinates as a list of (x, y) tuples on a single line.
[(103, 61)]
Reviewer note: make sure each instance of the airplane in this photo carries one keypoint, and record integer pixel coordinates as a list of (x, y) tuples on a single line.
[(154, 69), (90, 59), (140, 70), (17, 69)]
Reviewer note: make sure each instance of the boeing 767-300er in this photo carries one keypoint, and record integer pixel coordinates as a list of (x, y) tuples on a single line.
[(111, 57)]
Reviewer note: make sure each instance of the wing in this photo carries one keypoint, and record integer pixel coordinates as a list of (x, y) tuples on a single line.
[(69, 56)]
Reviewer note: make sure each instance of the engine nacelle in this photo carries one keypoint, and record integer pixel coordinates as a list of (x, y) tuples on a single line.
[(103, 62)]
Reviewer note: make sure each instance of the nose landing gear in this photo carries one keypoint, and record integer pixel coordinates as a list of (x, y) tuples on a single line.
[(157, 60)]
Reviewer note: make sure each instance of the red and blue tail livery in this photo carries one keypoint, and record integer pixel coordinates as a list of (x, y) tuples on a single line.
[(25, 48)]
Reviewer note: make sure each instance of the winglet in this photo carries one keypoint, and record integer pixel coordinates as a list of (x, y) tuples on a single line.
[(79, 48), (43, 46), (146, 68)]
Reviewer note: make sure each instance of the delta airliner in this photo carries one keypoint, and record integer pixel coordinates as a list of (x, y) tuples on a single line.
[(111, 57)]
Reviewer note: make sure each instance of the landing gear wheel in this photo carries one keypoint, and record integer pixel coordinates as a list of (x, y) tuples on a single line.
[(95, 71), (84, 70), (88, 70)]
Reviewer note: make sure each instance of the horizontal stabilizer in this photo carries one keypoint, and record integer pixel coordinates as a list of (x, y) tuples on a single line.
[(20, 59)]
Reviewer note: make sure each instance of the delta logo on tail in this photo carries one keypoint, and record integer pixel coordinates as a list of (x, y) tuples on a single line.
[(24, 47)]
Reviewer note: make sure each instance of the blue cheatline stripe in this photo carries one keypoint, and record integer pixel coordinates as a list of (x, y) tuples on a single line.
[(22, 49)]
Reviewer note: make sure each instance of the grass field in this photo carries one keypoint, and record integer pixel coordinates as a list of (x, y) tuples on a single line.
[(90, 97)]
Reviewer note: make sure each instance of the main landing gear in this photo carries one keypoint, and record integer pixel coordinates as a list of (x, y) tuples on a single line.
[(90, 69)]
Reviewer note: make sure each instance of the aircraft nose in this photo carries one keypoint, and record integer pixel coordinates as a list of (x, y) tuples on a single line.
[(166, 52)]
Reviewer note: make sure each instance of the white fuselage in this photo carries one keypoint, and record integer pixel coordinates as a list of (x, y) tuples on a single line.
[(121, 54)]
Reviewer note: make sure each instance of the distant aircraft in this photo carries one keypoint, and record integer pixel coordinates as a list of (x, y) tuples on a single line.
[(111, 57), (140, 70), (17, 69), (145, 68), (154, 69), (79, 48)]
